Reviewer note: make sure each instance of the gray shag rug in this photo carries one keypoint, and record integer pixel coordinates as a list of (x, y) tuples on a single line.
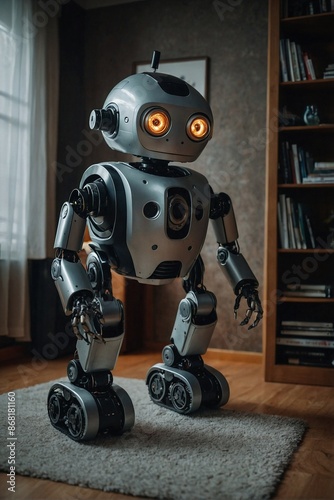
[(221, 453)]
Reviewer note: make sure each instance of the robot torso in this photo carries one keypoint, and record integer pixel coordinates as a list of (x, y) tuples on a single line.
[(155, 221)]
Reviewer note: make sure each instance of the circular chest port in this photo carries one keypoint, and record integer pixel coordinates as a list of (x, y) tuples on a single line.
[(151, 210)]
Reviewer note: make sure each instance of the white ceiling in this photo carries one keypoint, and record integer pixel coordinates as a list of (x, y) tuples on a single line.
[(97, 4)]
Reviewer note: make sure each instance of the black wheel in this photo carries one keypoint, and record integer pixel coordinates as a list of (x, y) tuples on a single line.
[(74, 370), (54, 408), (168, 355), (179, 396), (75, 421), (157, 387)]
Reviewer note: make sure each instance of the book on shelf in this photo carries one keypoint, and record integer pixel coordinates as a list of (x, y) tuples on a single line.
[(323, 172), (307, 328), (284, 68), (309, 290), (297, 166), (305, 293), (329, 71), (295, 8), (319, 343), (295, 163), (310, 72), (293, 323), (295, 229), (295, 63), (319, 179), (306, 342), (324, 165), (320, 287), (323, 358), (308, 333)]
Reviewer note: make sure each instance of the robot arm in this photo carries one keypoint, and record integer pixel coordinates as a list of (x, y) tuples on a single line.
[(73, 283), (71, 280), (231, 261)]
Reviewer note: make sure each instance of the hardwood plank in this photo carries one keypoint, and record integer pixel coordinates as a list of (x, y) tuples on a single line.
[(311, 473)]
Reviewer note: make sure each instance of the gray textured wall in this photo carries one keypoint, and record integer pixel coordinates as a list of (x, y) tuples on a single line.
[(234, 37)]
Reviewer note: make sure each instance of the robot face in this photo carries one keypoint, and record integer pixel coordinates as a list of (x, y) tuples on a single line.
[(155, 116)]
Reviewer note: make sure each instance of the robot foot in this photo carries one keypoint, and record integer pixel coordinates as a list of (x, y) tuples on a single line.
[(184, 391), (82, 415)]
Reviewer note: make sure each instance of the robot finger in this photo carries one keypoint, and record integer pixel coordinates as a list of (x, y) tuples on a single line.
[(247, 317), (259, 315), (236, 305)]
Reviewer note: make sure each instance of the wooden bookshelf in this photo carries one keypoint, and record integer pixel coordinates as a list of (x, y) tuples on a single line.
[(310, 265)]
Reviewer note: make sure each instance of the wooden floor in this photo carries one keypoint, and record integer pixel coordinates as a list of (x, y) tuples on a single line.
[(310, 475)]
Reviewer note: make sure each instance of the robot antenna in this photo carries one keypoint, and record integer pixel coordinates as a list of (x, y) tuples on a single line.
[(155, 60)]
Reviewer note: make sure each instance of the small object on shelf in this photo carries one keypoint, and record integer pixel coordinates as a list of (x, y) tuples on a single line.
[(311, 116)]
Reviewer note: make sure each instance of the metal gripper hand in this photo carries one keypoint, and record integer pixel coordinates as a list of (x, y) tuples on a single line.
[(254, 305), (87, 319)]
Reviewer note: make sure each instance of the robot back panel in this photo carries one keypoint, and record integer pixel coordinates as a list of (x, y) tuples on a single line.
[(153, 226)]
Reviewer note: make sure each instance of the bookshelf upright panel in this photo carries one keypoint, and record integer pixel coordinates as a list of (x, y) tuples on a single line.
[(299, 252)]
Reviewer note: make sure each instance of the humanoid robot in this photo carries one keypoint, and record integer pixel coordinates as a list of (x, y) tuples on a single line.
[(147, 221)]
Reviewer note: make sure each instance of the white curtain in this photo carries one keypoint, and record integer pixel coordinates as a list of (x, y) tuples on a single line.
[(24, 177)]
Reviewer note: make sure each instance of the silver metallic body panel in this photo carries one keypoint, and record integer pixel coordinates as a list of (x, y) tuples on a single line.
[(170, 373), (135, 95), (70, 229), (191, 338), (70, 279), (87, 404), (147, 237), (235, 268), (96, 355)]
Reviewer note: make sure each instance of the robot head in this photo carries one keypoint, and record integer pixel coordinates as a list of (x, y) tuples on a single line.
[(156, 116)]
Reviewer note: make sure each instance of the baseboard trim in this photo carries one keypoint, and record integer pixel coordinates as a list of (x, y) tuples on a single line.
[(237, 356), (226, 354)]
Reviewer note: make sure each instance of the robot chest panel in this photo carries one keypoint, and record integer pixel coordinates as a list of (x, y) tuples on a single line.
[(166, 221)]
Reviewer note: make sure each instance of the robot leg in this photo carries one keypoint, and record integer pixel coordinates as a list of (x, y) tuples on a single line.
[(90, 404), (183, 382)]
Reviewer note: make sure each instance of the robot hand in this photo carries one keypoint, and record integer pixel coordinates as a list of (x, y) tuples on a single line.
[(254, 305), (87, 318)]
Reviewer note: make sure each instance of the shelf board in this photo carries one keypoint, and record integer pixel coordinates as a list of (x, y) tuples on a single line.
[(309, 18), (309, 128), (319, 82), (316, 25), (317, 300), (306, 186), (305, 250)]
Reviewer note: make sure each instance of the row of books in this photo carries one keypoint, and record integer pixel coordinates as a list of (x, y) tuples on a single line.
[(308, 343), (329, 71), (294, 8), (297, 166), (317, 290), (296, 64), (295, 228), (323, 172)]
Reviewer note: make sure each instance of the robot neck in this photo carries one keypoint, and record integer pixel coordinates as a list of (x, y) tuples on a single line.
[(160, 168)]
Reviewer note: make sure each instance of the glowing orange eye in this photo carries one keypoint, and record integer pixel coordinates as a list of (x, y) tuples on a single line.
[(157, 122), (198, 127)]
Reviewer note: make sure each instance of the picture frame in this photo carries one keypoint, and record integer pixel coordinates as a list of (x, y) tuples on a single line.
[(193, 70)]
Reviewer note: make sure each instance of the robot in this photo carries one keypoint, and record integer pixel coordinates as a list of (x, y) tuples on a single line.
[(147, 221)]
